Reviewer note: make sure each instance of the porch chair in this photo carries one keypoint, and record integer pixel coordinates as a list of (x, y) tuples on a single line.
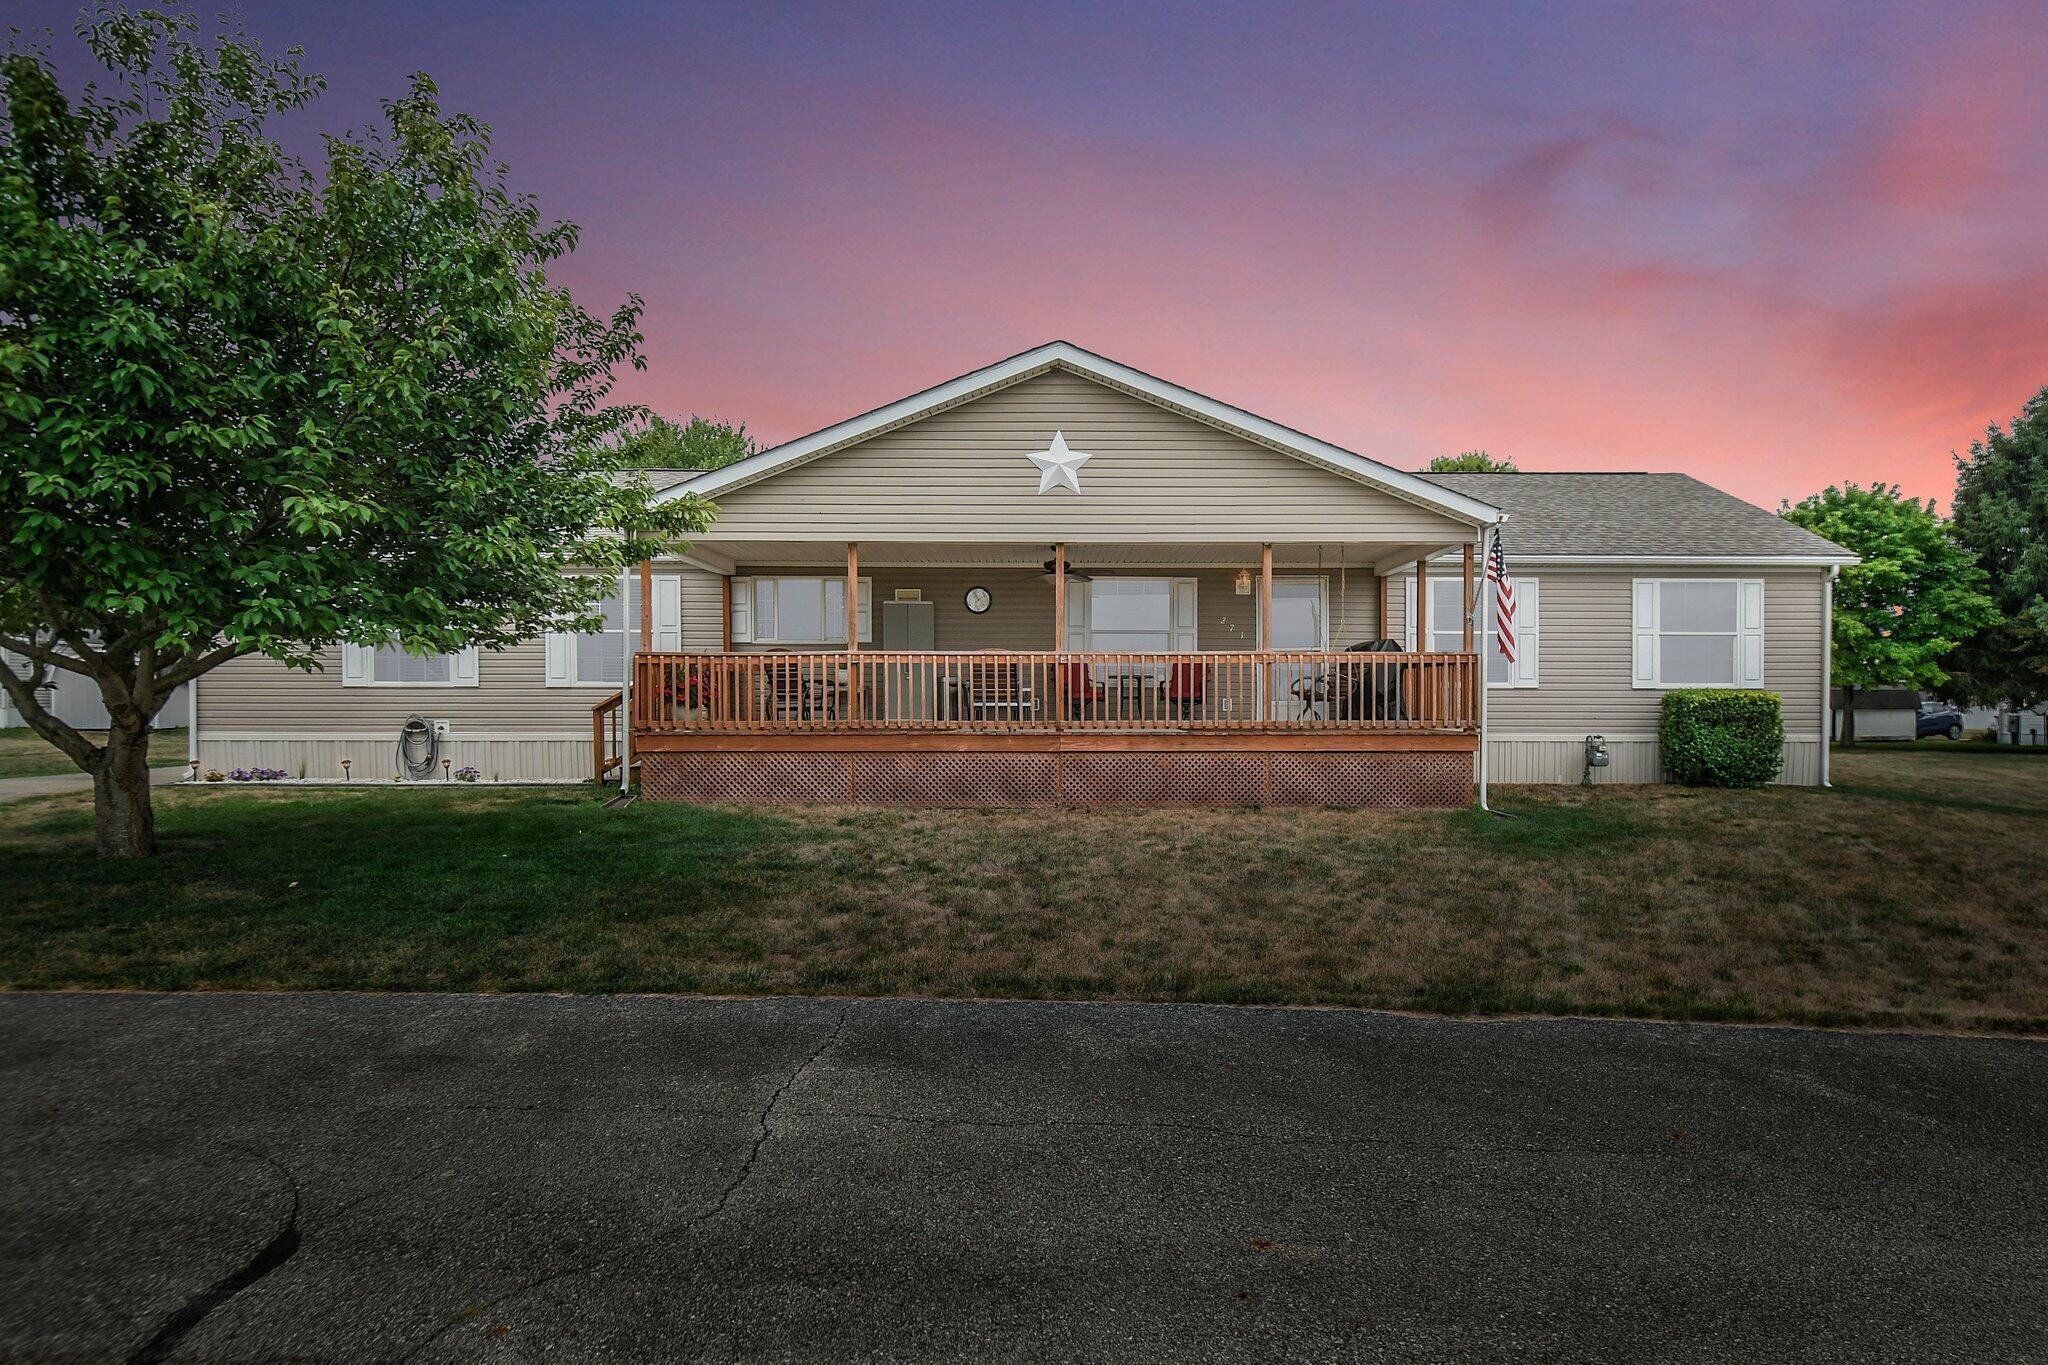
[(792, 694), (1084, 694), (998, 691), (1187, 687)]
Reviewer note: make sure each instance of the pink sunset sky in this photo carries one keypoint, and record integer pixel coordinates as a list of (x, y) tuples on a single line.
[(1775, 246)]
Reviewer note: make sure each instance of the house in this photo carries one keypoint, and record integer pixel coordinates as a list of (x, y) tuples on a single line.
[(75, 699), (1064, 579)]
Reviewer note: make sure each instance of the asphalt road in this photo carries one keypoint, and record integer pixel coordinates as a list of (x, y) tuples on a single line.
[(360, 1178)]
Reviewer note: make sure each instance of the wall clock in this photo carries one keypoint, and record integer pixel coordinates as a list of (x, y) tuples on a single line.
[(978, 600)]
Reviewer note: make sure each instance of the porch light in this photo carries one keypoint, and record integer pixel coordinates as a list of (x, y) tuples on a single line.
[(1244, 582)]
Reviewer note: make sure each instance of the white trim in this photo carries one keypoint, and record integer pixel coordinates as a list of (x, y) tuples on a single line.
[(1322, 582), (865, 609), (1065, 355), (1827, 671), (709, 560), (359, 669)]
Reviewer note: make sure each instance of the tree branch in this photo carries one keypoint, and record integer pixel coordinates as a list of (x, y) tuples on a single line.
[(75, 746)]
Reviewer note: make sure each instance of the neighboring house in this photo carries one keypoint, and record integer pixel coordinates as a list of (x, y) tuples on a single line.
[(75, 700), (1068, 580), (1881, 712)]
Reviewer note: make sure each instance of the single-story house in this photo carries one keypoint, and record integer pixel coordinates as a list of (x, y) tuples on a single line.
[(1058, 578)]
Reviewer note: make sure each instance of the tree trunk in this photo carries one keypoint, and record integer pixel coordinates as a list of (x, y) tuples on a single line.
[(124, 822), (1848, 715)]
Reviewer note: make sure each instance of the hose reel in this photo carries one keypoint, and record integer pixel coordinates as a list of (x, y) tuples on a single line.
[(418, 748)]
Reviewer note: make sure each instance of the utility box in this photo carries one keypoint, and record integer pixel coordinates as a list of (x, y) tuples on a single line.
[(908, 625)]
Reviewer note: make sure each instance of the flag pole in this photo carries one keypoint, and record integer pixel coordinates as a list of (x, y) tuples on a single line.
[(1485, 553)]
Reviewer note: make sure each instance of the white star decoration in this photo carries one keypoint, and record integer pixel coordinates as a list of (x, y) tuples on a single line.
[(1059, 467)]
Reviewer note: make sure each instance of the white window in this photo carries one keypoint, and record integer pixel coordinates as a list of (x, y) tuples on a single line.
[(1698, 632), (798, 610), (390, 666), (1447, 627), (1131, 615), (597, 658)]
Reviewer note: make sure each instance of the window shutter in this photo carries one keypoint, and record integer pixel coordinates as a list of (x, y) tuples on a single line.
[(462, 667), (1077, 616), (668, 612), (1644, 632), (561, 659), (867, 610), (1408, 631), (355, 665), (1184, 617), (1528, 631), (1750, 622), (742, 610)]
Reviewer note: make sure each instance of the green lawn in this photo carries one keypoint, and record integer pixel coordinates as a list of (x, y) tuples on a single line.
[(1912, 894), (24, 753)]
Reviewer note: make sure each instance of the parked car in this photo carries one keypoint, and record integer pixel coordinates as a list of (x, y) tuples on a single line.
[(1938, 720)]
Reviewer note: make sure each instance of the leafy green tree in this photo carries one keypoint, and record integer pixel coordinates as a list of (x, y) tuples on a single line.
[(1917, 592), (244, 410), (1471, 462), (658, 443), (2001, 513)]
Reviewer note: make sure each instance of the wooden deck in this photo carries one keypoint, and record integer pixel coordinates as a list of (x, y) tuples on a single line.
[(1011, 728)]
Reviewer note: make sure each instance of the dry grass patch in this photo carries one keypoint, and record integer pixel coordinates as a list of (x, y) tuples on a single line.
[(1913, 895)]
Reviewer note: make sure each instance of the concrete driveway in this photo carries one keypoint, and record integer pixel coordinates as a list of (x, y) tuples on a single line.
[(354, 1178)]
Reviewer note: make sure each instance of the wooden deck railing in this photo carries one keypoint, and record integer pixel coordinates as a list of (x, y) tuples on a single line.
[(607, 738), (829, 692)]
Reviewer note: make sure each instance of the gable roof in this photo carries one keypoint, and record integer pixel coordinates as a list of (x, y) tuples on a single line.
[(1062, 355), (1621, 516)]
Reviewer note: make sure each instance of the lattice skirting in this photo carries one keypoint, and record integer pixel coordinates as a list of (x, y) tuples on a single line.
[(1022, 779)]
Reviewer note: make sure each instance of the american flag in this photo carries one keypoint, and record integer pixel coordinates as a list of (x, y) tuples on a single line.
[(1503, 598)]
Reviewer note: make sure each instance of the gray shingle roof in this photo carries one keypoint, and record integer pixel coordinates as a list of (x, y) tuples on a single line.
[(668, 478), (1631, 514)]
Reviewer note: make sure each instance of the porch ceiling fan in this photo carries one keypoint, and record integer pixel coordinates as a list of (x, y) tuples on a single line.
[(1072, 572)]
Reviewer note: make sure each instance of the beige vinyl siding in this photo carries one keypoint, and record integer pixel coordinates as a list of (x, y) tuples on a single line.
[(1020, 614), (703, 597), (1586, 653), (1157, 476), (1511, 760)]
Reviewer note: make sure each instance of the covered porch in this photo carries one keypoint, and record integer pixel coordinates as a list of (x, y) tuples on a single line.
[(1271, 673)]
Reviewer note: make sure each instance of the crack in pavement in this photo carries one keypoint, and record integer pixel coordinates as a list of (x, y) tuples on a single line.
[(718, 1206), (282, 1246)]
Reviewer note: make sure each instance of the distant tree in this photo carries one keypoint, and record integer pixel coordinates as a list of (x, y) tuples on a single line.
[(245, 410), (2001, 514), (1471, 462), (658, 443), (1917, 592)]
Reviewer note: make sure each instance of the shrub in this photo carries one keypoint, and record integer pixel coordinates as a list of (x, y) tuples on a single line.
[(1715, 737)]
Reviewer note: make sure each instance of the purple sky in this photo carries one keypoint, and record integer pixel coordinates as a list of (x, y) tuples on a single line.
[(1775, 246)]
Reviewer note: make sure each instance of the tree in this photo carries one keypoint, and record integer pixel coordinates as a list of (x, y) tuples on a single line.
[(1916, 593), (2001, 514), (658, 443), (245, 411), (1471, 462)]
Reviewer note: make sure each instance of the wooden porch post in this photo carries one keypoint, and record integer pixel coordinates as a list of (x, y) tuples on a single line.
[(1468, 599), (1420, 624), (1266, 619), (725, 614), (1059, 631), (852, 628), (1384, 627)]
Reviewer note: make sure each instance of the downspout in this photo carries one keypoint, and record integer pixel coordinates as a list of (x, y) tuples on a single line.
[(1827, 670), (1480, 680), (626, 688)]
